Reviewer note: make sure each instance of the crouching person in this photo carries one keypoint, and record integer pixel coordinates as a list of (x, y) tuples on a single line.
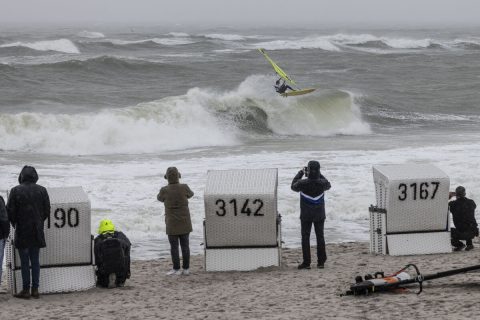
[(112, 256), (463, 213)]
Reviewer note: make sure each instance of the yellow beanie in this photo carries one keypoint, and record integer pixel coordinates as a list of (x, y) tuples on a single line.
[(106, 225)]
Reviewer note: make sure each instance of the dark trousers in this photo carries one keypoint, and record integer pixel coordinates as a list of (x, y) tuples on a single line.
[(458, 235), (183, 238), (306, 229), (30, 256)]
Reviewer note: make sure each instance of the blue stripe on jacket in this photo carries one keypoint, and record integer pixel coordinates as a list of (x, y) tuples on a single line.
[(320, 199)]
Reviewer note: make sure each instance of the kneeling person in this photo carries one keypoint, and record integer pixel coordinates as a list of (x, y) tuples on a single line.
[(463, 213), (112, 256)]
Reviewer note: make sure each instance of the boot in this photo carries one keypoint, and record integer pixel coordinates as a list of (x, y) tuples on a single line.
[(112, 280), (35, 293), (303, 265), (24, 294)]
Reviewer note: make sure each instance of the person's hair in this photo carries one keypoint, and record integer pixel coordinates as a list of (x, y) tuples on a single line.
[(460, 192)]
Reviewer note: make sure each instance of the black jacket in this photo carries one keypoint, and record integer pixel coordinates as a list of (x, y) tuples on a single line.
[(4, 225), (463, 212), (28, 207), (312, 203), (125, 243)]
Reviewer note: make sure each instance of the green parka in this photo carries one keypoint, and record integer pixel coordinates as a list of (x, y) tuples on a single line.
[(175, 197)]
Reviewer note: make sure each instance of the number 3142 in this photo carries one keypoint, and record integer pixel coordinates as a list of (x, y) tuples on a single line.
[(247, 209)]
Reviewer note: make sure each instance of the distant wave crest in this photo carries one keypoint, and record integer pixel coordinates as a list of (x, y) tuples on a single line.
[(60, 45), (338, 41), (90, 34), (161, 41)]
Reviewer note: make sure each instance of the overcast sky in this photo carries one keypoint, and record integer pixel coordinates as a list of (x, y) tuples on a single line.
[(243, 12)]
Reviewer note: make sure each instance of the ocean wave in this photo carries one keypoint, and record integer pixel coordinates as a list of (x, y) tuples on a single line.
[(102, 64), (59, 45), (337, 41), (161, 41), (199, 118), (178, 34), (226, 37), (471, 43), (375, 41), (305, 43), (90, 34), (98, 63), (418, 116)]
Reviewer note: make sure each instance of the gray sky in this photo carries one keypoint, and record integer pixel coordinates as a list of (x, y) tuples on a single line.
[(243, 12)]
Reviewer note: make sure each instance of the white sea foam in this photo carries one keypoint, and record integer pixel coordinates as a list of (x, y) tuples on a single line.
[(412, 116), (91, 34), (337, 41), (408, 43), (146, 128), (60, 45), (227, 37), (305, 43), (125, 191), (352, 39)]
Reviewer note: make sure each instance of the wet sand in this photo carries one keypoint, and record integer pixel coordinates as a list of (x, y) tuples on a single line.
[(269, 293)]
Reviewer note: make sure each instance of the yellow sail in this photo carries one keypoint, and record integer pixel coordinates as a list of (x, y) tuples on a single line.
[(277, 69)]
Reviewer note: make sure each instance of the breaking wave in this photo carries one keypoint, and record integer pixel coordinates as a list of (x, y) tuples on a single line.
[(338, 41), (60, 45), (201, 117)]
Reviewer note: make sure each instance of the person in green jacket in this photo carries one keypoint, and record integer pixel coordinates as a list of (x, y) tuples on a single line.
[(177, 219)]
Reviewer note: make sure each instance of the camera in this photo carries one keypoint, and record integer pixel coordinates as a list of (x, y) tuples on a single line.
[(305, 171)]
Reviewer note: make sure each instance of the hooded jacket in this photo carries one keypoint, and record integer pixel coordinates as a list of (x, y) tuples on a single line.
[(175, 197), (4, 225), (312, 203), (28, 207)]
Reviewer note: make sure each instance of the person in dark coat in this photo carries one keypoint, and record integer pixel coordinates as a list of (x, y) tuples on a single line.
[(177, 219), (466, 227), (312, 210), (112, 256), (4, 232), (28, 207)]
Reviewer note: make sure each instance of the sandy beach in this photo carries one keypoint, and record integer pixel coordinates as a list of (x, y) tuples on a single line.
[(270, 293)]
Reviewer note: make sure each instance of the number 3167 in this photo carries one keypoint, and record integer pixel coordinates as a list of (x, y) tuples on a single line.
[(422, 190)]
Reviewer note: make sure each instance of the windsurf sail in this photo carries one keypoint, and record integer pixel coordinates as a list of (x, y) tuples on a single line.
[(277, 69)]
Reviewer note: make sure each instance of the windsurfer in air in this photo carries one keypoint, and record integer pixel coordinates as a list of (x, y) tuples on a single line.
[(282, 87)]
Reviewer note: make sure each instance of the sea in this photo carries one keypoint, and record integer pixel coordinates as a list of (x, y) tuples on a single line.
[(110, 108)]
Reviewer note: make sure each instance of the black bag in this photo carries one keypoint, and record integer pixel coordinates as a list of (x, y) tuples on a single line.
[(112, 256)]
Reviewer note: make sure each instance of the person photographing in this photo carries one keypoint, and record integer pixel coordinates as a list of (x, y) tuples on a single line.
[(312, 210), (463, 213)]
